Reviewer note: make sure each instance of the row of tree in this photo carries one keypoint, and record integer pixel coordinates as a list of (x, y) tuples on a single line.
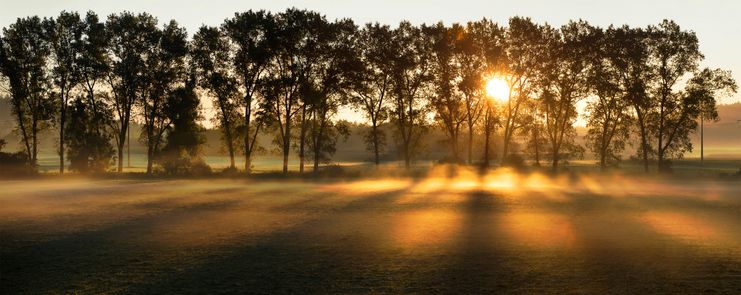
[(288, 73)]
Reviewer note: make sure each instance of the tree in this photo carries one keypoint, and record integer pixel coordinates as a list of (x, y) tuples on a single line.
[(675, 53), (94, 65), (564, 82), (370, 78), (131, 39), (65, 36), (327, 88), (631, 63), (165, 72), (295, 57), (524, 50), (478, 51), (534, 126), (447, 100), (609, 121), (705, 86), (210, 56), (251, 35), (181, 154), (680, 115), (411, 75), (88, 149), (23, 61)]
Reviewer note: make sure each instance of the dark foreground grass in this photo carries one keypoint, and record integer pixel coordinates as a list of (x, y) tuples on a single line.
[(452, 231)]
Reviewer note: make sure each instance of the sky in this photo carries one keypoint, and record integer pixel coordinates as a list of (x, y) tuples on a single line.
[(716, 22)]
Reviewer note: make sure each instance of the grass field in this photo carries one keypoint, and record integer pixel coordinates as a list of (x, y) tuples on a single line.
[(450, 231)]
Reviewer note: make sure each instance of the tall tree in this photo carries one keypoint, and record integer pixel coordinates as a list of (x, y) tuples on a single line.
[(94, 63), (24, 52), (132, 38), (210, 55), (478, 53), (610, 120), (88, 149), (696, 100), (370, 78), (524, 50), (447, 100), (65, 37), (182, 153), (411, 76), (631, 62), (330, 83), (295, 57), (675, 54), (564, 82), (251, 35), (165, 73)]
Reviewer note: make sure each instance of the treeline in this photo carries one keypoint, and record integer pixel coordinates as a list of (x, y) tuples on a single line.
[(287, 73)]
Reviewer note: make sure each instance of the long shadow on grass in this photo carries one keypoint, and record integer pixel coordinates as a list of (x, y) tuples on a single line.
[(57, 265), (306, 258)]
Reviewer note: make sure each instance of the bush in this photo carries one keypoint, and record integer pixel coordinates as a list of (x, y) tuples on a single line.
[(183, 165)]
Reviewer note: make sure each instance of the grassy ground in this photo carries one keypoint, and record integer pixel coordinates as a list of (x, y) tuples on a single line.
[(452, 231)]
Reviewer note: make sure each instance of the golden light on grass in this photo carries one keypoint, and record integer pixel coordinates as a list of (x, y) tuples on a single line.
[(497, 88)]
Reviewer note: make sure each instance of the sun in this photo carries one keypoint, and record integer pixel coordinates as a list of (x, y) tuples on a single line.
[(497, 88)]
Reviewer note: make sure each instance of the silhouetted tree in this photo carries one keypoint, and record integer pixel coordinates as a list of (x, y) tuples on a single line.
[(94, 65), (24, 53), (411, 76), (564, 81), (371, 81), (210, 56), (88, 149), (680, 114), (524, 51), (479, 52), (295, 56), (181, 154), (165, 72), (609, 118), (631, 62), (65, 36), (446, 100), (132, 38), (328, 89), (252, 40)]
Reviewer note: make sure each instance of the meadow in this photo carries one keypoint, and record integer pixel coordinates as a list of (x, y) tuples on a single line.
[(445, 230)]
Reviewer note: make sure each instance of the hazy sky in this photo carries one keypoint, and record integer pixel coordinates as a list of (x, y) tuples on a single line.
[(717, 23)]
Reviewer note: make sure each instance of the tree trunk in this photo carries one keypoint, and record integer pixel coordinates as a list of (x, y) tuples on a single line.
[(286, 143), (487, 136), (150, 155), (644, 140), (375, 142), (247, 151), (61, 142), (556, 158), (537, 145), (302, 139), (470, 144), (702, 140), (34, 137), (120, 157), (317, 149)]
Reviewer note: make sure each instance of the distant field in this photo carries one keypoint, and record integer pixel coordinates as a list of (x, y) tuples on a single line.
[(451, 231), (49, 163)]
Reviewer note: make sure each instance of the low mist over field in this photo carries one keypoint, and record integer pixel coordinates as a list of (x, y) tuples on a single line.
[(451, 230)]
